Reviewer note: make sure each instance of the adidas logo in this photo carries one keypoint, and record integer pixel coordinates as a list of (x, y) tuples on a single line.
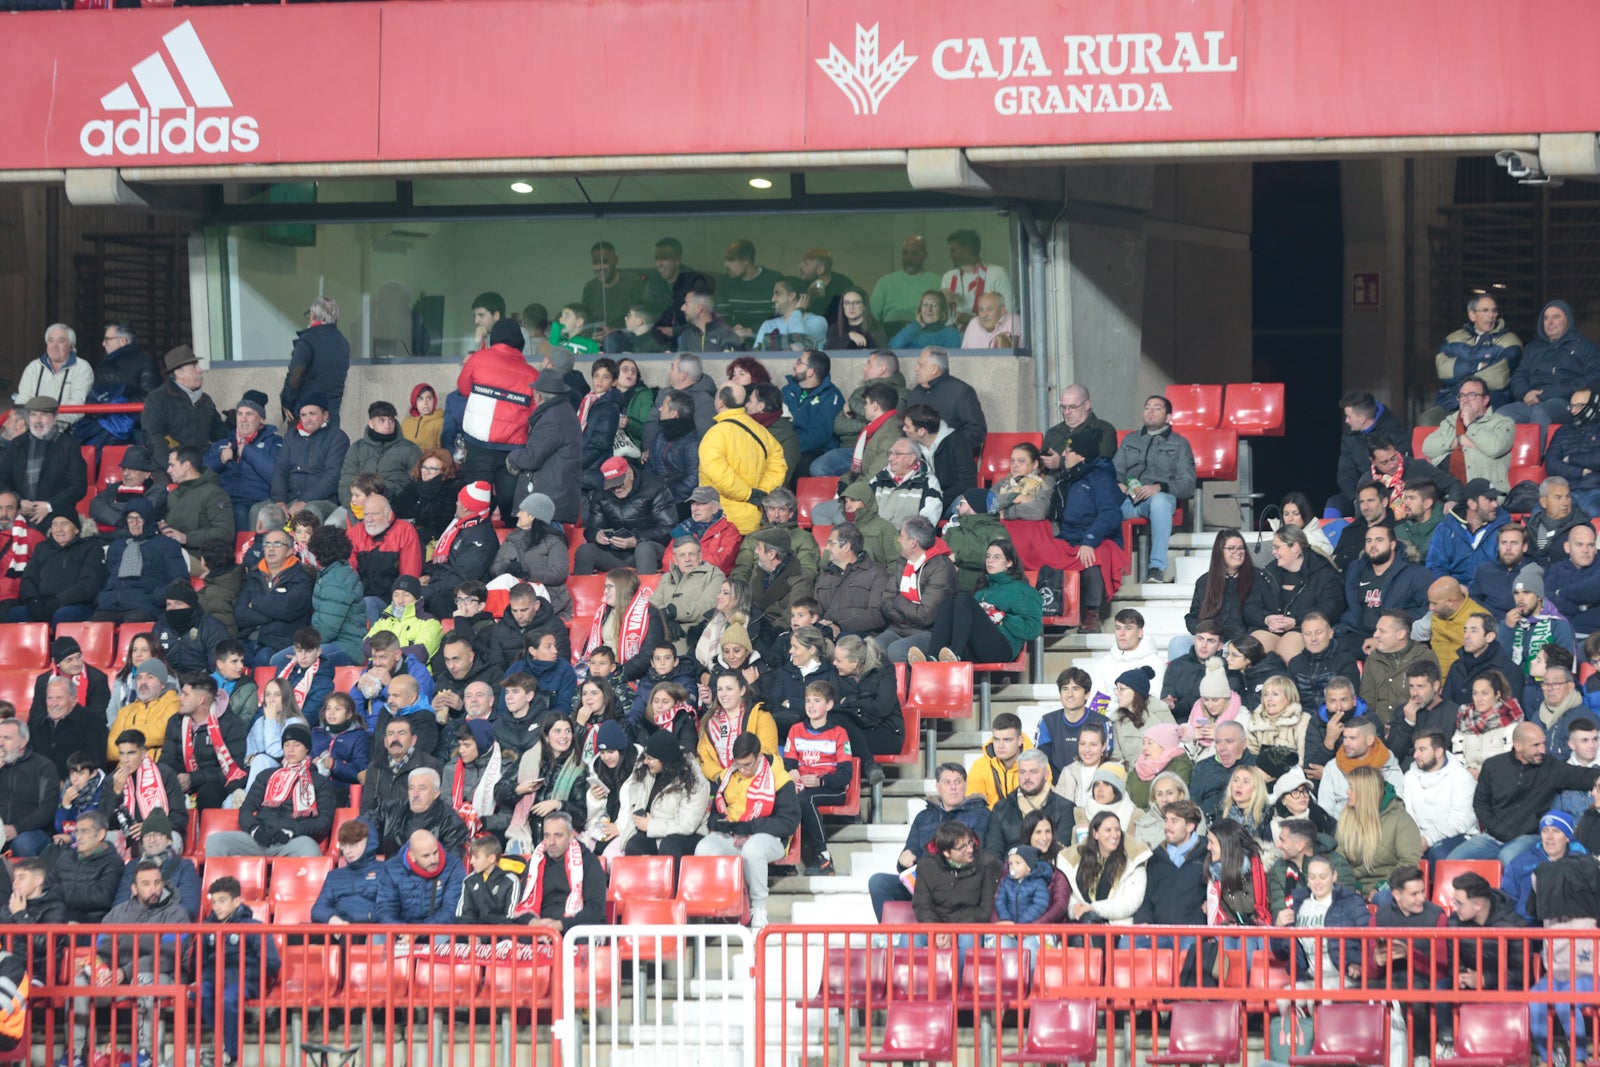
[(165, 121)]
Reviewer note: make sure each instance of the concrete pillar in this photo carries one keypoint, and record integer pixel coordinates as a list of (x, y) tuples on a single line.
[(1372, 193)]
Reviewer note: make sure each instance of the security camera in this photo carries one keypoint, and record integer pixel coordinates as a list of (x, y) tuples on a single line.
[(1524, 166)]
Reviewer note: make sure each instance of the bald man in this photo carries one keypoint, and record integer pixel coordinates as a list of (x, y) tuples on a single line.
[(1514, 790), (1449, 607), (421, 884)]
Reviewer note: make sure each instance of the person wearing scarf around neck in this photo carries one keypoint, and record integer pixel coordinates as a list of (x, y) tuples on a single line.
[(140, 564), (420, 885), (464, 552), (286, 813), (565, 886), (472, 778), (278, 709), (754, 810), (204, 750)]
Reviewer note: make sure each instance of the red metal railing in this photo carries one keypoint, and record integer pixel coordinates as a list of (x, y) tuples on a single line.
[(485, 994), (836, 989)]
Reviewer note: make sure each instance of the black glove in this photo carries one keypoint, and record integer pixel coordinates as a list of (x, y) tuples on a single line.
[(265, 836), (758, 497), (718, 825), (669, 612), (285, 835)]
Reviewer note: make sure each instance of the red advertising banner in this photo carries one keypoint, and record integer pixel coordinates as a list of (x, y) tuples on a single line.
[(478, 79)]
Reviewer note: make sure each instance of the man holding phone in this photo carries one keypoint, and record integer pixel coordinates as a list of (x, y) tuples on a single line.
[(1075, 412)]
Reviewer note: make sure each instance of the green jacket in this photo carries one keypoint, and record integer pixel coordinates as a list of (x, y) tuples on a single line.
[(1278, 888), (801, 543), (968, 537), (881, 538), (1022, 605), (640, 403), (1419, 534), (201, 510), (338, 609), (850, 421)]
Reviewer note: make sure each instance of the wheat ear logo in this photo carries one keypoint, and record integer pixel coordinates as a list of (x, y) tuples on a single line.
[(866, 81)]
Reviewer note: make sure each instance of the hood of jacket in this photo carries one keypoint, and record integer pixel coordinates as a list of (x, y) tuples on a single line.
[(1361, 709), (1564, 307)]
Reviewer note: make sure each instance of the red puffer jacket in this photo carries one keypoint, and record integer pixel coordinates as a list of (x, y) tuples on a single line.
[(498, 384)]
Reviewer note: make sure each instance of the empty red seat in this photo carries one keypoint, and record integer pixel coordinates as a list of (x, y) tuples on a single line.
[(917, 1032), (340, 817), (344, 678), (97, 639), (851, 805), (1490, 1035), (811, 492), (1065, 968), (1526, 447), (713, 887), (821, 534), (994, 464), (1536, 475), (995, 978), (1353, 1034), (587, 591), (1254, 409), (1200, 1031), (1216, 455), (16, 688), (910, 748), (644, 912), (1420, 434), (1195, 407), (1058, 1031), (640, 878), (295, 878), (852, 978), (941, 690), (25, 644), (213, 821), (922, 973)]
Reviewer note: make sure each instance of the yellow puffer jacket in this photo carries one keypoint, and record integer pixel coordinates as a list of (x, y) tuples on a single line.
[(738, 455)]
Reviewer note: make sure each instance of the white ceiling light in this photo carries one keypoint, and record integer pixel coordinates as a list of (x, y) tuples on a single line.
[(521, 187), (761, 183)]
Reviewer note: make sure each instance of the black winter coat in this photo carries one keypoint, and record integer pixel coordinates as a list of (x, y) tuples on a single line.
[(171, 419), (271, 608), (429, 506), (1317, 587), (83, 729), (254, 813), (1229, 614), (1311, 670), (872, 700), (194, 649), (1355, 461), (160, 564), (63, 477), (1483, 954), (1173, 895), (30, 792), (1496, 656), (599, 437), (505, 642), (318, 363), (471, 554), (1005, 821), (786, 692), (60, 576), (207, 772), (552, 460), (1512, 796), (87, 886), (131, 372), (647, 513)]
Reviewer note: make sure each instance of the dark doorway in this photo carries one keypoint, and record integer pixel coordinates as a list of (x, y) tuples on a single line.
[(1298, 248)]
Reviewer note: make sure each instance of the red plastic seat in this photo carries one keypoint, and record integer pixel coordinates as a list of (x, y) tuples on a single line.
[(852, 795), (344, 678), (994, 463), (1445, 871), (241, 541), (91, 463), (1153, 968), (306, 973), (898, 913), (251, 871), (292, 878), (1420, 434), (1195, 407), (16, 688), (917, 1032), (640, 878), (811, 492), (995, 978), (110, 466), (922, 974), (587, 591), (25, 644), (941, 690), (213, 821), (1216, 455), (1534, 474), (986, 673), (1061, 970), (126, 632), (261, 676), (853, 978), (1356, 1035), (575, 537), (1209, 1032), (1490, 1035), (712, 886), (1254, 409), (1527, 450), (446, 980), (97, 639), (1058, 1031), (372, 975), (642, 912), (340, 817), (821, 534)]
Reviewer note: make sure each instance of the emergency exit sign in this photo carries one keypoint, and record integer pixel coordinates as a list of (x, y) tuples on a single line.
[(1365, 292)]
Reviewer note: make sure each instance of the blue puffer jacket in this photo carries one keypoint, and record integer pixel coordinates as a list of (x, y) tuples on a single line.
[(1089, 508), (599, 435), (1346, 910), (1517, 880), (406, 898), (243, 938), (1558, 365), (350, 749), (351, 892), (160, 564), (1024, 901), (677, 463), (248, 475), (1467, 352), (1453, 554)]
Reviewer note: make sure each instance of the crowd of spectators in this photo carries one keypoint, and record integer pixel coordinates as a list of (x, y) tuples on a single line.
[(1393, 686)]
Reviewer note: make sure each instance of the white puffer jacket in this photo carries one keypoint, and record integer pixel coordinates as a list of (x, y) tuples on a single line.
[(1128, 891)]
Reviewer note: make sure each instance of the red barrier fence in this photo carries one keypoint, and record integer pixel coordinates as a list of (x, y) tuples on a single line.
[(486, 994), (1176, 994)]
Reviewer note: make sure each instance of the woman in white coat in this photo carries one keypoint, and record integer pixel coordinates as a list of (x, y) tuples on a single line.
[(1106, 873), (674, 802)]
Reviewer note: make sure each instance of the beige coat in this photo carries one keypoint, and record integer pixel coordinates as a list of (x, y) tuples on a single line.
[(1288, 729), (1490, 456)]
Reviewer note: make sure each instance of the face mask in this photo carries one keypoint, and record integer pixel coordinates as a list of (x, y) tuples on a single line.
[(180, 619)]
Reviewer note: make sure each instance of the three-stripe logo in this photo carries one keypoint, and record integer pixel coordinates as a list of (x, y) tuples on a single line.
[(163, 119)]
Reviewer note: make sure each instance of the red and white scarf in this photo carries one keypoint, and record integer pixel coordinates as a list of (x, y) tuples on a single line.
[(231, 771), (22, 544), (441, 548), (909, 587), (723, 729), (583, 410), (760, 797), (866, 434), (143, 792), (533, 896), (80, 683), (292, 782), (481, 804), (966, 297), (635, 625), (302, 688)]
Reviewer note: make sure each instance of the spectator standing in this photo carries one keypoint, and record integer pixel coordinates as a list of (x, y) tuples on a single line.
[(180, 413), (956, 402), (970, 277), (551, 460), (498, 385), (675, 459), (740, 459)]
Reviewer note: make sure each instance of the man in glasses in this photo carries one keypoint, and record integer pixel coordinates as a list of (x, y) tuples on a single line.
[(1076, 412), (1484, 348)]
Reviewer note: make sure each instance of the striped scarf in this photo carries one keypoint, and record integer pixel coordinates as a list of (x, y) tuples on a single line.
[(533, 897), (760, 797), (231, 771), (292, 782)]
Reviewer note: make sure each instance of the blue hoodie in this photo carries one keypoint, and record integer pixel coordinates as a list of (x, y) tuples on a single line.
[(1517, 881), (556, 678), (1557, 365)]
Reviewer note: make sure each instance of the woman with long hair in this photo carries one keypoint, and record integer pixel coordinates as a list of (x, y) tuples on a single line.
[(932, 326), (733, 605), (1295, 510), (428, 499), (1248, 802), (1376, 833), (869, 697), (1039, 833), (854, 327), (810, 660), (638, 400), (1024, 494), (1278, 724), (669, 710), (675, 798), (733, 712), (1323, 902), (1296, 582), (141, 646), (1236, 896), (1485, 725), (613, 793), (597, 704), (1106, 873), (1134, 713), (627, 623), (263, 749), (551, 776), (1250, 664), (1221, 594), (992, 623)]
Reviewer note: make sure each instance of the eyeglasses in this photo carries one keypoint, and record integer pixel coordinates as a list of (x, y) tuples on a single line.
[(435, 469), (275, 544), (1464, 394), (1554, 685)]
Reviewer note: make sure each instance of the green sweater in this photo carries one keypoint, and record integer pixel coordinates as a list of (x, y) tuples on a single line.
[(968, 537), (1022, 605)]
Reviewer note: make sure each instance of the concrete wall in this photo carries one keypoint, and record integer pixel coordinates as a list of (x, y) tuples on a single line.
[(1376, 342)]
